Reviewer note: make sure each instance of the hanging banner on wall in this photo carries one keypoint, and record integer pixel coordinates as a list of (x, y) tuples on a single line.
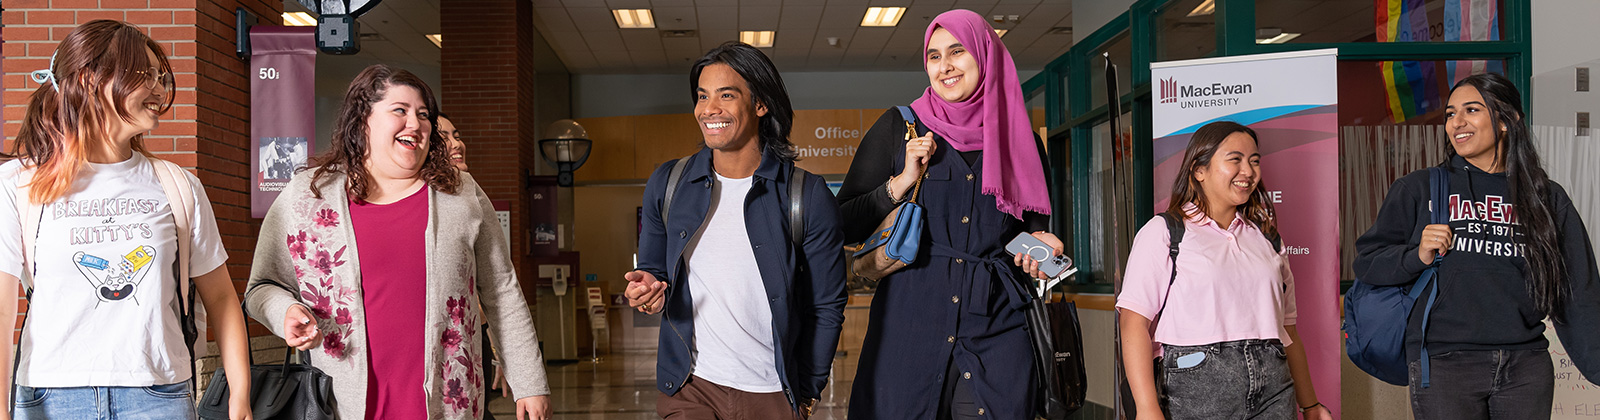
[(1291, 101), (283, 121)]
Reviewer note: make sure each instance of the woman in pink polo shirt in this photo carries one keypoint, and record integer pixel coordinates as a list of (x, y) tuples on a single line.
[(1223, 309)]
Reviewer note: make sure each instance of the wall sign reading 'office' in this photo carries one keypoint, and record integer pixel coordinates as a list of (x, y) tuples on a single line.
[(630, 147)]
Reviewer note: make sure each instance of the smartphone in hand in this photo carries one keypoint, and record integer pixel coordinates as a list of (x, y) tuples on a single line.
[(1051, 264)]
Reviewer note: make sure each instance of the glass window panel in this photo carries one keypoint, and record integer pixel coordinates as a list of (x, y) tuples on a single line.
[(1185, 29), (1121, 49), (1384, 135), (1320, 21), (1111, 224)]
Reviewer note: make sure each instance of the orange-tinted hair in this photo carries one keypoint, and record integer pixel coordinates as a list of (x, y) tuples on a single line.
[(66, 118)]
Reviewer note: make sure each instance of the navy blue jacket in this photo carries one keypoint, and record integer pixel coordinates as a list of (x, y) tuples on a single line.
[(960, 303), (805, 287)]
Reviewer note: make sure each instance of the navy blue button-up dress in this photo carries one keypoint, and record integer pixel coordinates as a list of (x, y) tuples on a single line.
[(961, 302)]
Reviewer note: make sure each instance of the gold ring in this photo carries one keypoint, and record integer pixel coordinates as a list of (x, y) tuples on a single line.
[(644, 308)]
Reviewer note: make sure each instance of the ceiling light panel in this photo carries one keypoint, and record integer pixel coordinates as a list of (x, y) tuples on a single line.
[(1001, 32), (633, 18), (758, 39), (298, 19), (438, 39), (1205, 8), (1281, 38), (883, 16)]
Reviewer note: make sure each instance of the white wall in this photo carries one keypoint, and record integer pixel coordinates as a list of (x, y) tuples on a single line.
[(1563, 40), (610, 95)]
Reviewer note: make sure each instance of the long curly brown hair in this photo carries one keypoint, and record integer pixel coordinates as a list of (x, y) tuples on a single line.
[(348, 155)]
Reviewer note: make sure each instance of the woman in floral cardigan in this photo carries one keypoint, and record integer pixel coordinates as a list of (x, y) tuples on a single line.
[(398, 313)]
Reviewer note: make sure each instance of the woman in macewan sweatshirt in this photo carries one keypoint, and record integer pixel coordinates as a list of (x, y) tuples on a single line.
[(1514, 252)]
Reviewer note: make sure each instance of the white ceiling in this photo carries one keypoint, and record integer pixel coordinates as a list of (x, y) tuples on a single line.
[(587, 39)]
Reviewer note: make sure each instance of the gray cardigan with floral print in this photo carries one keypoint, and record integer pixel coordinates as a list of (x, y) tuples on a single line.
[(306, 244)]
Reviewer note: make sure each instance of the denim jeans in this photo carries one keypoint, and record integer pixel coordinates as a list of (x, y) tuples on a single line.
[(156, 402), (1245, 379), (1485, 384)]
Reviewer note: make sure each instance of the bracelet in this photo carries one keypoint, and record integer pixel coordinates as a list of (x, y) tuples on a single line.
[(1309, 407), (889, 189)]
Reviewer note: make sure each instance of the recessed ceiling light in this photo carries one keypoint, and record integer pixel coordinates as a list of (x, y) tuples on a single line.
[(1281, 38), (883, 16), (758, 39), (1001, 32), (298, 19), (438, 39), (1205, 8), (633, 18)]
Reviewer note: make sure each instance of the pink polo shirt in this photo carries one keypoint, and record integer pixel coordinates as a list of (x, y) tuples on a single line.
[(1231, 285)]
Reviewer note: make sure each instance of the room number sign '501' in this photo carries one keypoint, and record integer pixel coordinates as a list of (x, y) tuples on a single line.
[(267, 73)]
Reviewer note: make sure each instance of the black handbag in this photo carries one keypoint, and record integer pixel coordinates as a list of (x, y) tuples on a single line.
[(285, 390), (1057, 358)]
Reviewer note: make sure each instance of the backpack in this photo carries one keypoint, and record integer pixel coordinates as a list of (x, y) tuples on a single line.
[(180, 196), (1375, 317)]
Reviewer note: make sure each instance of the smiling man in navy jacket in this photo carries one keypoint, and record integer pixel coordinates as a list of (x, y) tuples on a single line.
[(753, 295)]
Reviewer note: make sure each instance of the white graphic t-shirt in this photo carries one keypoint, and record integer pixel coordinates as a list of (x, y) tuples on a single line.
[(104, 305)]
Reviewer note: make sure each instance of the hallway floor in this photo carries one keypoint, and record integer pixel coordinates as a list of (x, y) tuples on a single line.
[(622, 386)]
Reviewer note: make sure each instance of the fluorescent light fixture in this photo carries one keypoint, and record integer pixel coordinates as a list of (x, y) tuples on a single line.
[(1205, 8), (1281, 38), (1001, 32), (438, 39), (758, 39), (298, 19), (633, 18), (883, 16)]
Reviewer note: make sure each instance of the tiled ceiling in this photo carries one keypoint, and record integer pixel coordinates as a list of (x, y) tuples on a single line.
[(587, 38)]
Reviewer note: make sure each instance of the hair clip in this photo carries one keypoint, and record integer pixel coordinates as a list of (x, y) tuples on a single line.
[(46, 75)]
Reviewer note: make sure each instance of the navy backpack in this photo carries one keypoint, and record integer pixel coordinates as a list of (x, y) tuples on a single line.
[(1375, 317)]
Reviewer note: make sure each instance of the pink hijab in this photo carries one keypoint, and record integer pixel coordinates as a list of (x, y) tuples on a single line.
[(994, 119)]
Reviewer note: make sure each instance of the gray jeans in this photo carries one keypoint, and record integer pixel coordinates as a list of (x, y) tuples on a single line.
[(1246, 379), (1485, 384)]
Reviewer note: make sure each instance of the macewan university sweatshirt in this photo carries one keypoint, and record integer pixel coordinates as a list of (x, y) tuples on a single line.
[(1483, 301)]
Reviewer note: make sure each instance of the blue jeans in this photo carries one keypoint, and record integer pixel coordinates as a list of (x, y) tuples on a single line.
[(156, 402), (1245, 379), (1485, 384)]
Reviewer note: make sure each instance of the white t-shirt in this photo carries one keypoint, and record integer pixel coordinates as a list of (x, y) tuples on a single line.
[(732, 322), (104, 305)]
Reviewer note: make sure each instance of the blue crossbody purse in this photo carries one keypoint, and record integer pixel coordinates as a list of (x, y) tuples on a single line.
[(896, 241)]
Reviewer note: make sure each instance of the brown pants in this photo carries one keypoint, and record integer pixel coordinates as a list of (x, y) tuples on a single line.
[(702, 400)]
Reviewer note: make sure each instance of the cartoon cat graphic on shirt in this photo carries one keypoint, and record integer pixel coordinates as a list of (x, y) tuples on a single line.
[(115, 282)]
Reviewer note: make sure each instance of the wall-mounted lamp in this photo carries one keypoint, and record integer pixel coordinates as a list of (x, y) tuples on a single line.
[(566, 150)]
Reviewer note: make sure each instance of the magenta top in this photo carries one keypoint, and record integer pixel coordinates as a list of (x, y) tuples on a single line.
[(392, 253), (1231, 285)]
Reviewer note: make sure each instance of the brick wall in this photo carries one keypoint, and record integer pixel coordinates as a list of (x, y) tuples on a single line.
[(207, 129), (486, 50)]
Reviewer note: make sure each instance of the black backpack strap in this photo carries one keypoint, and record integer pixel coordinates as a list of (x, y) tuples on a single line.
[(797, 200), (672, 186), (1175, 229)]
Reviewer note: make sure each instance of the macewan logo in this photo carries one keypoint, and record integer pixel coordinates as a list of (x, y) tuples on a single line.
[(1171, 92)]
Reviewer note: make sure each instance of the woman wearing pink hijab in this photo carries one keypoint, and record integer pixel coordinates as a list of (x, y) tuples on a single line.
[(946, 338)]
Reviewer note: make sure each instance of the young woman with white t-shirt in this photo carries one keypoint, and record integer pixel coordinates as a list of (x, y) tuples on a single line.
[(103, 336), (1222, 314)]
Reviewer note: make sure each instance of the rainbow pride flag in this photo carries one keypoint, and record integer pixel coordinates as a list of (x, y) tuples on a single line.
[(1412, 88)]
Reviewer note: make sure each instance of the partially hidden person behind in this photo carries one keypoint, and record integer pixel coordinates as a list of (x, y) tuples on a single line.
[(946, 337), (1219, 316), (1514, 253), (454, 145), (111, 322), (372, 261), (752, 304)]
